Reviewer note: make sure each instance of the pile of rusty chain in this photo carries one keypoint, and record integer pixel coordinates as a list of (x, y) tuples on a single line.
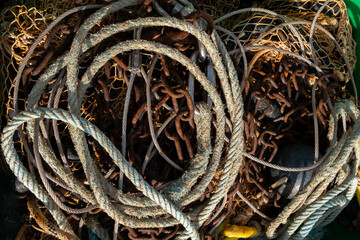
[(145, 100)]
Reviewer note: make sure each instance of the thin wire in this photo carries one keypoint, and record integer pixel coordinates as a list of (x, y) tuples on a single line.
[(136, 64), (55, 127), (313, 95), (148, 153), (245, 10), (282, 168), (52, 94), (151, 125), (312, 30)]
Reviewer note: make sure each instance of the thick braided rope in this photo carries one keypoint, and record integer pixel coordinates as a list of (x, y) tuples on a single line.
[(87, 127), (230, 170), (191, 29), (156, 47), (77, 136), (333, 204), (231, 167), (141, 44), (330, 204), (313, 212), (128, 25), (60, 63), (174, 25), (203, 131)]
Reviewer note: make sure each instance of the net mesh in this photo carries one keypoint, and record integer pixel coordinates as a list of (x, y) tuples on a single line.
[(21, 25), (334, 18)]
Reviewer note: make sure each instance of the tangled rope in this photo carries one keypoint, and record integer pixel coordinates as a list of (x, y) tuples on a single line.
[(175, 202), (100, 188)]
